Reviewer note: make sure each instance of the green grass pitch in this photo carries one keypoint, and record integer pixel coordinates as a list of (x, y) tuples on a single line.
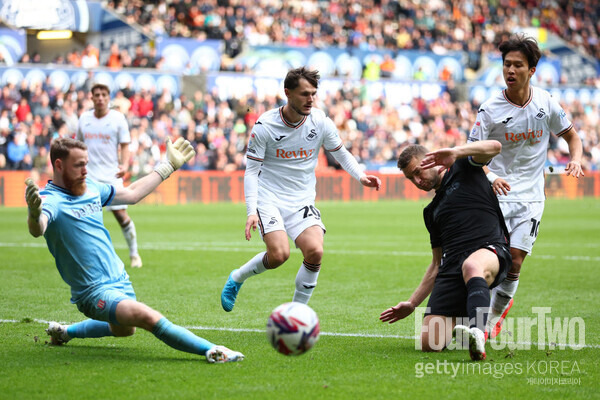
[(375, 255)]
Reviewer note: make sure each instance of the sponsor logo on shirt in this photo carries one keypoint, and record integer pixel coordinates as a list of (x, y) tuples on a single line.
[(293, 154), (506, 120), (97, 136), (534, 136), (88, 209)]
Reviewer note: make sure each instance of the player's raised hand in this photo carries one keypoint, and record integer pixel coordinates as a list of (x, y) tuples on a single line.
[(574, 169), (180, 152), (444, 157), (251, 224), (371, 181), (32, 196), (398, 312)]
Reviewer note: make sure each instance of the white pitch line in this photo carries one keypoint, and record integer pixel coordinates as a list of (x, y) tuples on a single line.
[(228, 249), (340, 334)]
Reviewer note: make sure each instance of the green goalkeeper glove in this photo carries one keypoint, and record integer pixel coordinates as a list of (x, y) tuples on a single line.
[(178, 153), (34, 201)]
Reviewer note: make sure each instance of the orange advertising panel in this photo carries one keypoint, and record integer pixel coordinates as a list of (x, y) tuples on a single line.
[(216, 186)]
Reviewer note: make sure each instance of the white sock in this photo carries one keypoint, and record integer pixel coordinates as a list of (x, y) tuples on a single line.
[(253, 267), (131, 237), (502, 294), (306, 280)]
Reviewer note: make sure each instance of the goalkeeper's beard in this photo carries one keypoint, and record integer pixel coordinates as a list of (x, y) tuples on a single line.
[(76, 187)]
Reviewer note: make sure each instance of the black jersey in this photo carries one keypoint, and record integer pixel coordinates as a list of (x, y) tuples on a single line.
[(464, 214)]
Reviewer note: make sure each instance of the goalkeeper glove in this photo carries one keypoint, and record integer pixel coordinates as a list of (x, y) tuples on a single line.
[(34, 201), (178, 153)]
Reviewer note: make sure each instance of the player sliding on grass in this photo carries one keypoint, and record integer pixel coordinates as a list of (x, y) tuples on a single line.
[(521, 118), (279, 185), (68, 212), (469, 242)]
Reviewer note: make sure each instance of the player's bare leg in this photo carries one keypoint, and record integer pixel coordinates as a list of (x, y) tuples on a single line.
[(436, 332)]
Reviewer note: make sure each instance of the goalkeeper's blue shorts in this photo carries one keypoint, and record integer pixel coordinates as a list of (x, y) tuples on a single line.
[(101, 303)]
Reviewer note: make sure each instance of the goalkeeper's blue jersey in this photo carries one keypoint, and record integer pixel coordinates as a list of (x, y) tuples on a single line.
[(78, 240)]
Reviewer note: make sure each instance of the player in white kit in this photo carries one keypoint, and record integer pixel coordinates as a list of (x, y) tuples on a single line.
[(522, 118), (106, 134), (279, 185)]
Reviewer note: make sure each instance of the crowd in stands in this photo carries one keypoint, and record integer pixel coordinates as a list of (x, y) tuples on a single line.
[(472, 26), (374, 131)]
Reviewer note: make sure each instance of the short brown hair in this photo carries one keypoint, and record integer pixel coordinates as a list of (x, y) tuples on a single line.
[(60, 148), (292, 79), (524, 44), (100, 86), (412, 151)]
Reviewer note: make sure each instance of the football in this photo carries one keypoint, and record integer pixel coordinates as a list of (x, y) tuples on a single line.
[(293, 328)]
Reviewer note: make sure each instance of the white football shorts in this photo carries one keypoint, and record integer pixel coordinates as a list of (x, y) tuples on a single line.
[(523, 222), (293, 219)]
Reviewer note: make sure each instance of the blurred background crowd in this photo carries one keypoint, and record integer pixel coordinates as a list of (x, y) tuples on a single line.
[(373, 130)]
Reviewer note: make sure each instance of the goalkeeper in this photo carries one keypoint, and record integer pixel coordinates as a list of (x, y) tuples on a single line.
[(68, 212)]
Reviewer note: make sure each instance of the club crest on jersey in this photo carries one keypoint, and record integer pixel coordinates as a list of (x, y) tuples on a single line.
[(273, 221), (541, 114), (312, 135)]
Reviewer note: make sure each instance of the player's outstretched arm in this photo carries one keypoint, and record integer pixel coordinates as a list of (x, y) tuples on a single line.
[(36, 221), (178, 153), (573, 167), (481, 152), (350, 165), (370, 181), (405, 308)]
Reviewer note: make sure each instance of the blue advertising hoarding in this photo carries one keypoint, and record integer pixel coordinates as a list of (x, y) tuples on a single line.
[(277, 60), (62, 77)]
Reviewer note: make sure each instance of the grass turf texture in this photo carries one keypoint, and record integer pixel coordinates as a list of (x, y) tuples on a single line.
[(375, 255)]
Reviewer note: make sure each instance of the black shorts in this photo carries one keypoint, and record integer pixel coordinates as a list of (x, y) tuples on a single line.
[(449, 294)]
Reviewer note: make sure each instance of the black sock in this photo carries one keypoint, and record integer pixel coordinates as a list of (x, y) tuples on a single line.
[(478, 301)]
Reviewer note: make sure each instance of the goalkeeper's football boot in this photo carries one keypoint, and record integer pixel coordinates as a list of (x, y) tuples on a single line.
[(229, 293), (476, 340), (58, 333), (221, 354)]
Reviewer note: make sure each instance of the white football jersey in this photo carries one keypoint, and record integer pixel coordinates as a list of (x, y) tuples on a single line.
[(103, 137), (289, 153), (524, 132)]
